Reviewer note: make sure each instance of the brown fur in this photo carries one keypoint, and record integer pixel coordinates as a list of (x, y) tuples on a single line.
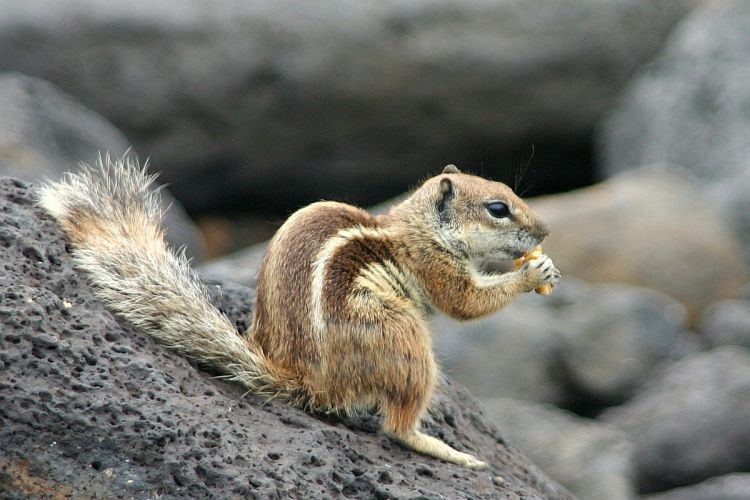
[(342, 296)]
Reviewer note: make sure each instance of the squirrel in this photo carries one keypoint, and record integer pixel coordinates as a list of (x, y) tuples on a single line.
[(342, 296)]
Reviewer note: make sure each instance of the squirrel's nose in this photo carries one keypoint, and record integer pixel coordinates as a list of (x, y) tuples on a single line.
[(540, 230)]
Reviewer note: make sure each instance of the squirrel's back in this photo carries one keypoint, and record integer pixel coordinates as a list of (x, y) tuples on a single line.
[(285, 303)]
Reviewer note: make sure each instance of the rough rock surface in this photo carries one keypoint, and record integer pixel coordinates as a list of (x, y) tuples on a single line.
[(90, 408), (690, 423), (584, 346), (690, 109), (593, 460), (361, 96), (631, 229), (729, 487), (44, 132)]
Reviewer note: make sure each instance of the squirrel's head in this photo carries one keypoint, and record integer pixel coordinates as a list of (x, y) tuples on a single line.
[(478, 218)]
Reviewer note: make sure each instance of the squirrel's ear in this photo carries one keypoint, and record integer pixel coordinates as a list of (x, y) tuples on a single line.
[(451, 169), (447, 192)]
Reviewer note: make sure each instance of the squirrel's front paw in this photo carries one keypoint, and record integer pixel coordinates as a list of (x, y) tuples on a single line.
[(540, 271)]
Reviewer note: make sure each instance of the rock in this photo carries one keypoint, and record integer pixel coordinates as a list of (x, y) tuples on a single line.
[(613, 337), (91, 408), (729, 487), (44, 132), (591, 459), (727, 323), (509, 354), (689, 109), (583, 346), (240, 267), (252, 100), (632, 229), (690, 422)]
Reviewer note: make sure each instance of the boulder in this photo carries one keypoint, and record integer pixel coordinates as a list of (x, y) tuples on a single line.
[(509, 354), (585, 345), (44, 132), (90, 407), (689, 109), (729, 487), (645, 228), (613, 337), (249, 101), (240, 267), (593, 460), (727, 323), (689, 423)]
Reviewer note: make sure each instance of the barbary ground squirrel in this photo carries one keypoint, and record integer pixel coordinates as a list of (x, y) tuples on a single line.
[(342, 296)]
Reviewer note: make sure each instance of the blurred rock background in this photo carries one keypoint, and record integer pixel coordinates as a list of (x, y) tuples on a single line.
[(631, 117)]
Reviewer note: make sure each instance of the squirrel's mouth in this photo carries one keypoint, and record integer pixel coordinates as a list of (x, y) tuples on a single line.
[(502, 262), (496, 265)]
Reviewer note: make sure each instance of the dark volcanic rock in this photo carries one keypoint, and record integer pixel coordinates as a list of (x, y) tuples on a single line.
[(89, 407)]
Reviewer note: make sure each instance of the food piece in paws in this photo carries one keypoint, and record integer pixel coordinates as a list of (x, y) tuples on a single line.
[(536, 252)]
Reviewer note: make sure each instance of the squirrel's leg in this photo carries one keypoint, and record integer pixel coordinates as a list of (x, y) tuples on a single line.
[(407, 386), (410, 436)]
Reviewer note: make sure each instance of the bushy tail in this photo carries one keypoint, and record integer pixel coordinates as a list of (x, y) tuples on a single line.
[(113, 221)]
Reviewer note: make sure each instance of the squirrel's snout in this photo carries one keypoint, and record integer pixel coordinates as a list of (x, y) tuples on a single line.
[(539, 230)]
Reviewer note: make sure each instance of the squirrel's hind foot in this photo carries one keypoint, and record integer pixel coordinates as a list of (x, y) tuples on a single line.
[(434, 447)]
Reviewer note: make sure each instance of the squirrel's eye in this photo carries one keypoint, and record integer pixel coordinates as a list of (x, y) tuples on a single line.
[(498, 209)]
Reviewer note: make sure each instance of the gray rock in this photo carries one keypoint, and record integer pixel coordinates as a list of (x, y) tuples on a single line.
[(584, 344), (593, 460), (613, 336), (91, 408), (689, 109), (690, 422), (727, 323), (252, 100), (44, 132), (729, 487), (509, 354), (631, 229), (240, 267)]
